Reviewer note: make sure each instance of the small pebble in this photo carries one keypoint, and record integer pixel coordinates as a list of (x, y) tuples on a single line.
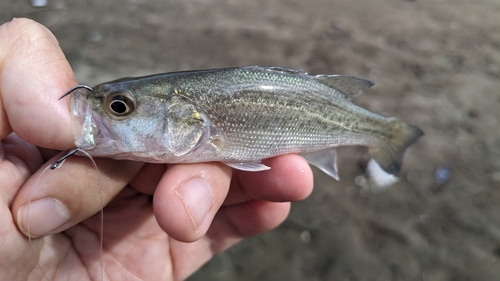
[(39, 3), (305, 236), (95, 36), (443, 173), (425, 218)]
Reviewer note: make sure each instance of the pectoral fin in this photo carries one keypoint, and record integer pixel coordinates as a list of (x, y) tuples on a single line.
[(249, 166), (325, 160)]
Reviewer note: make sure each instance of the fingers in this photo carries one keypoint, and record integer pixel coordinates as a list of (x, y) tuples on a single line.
[(148, 178), (188, 197), (34, 73), (55, 200), (245, 211), (18, 160), (246, 219), (289, 179), (231, 224)]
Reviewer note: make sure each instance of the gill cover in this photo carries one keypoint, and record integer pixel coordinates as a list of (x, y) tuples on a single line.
[(187, 126)]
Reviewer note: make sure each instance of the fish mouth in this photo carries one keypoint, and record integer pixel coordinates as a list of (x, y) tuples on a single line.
[(84, 121), (91, 131)]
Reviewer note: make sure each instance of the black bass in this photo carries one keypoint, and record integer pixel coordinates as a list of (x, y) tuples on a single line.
[(237, 116)]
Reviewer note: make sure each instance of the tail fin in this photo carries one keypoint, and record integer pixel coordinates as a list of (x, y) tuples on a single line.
[(390, 154)]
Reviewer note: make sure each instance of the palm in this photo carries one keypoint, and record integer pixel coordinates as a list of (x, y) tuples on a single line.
[(133, 243), (134, 246)]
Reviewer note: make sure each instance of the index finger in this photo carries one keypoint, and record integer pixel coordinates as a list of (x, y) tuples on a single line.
[(34, 73)]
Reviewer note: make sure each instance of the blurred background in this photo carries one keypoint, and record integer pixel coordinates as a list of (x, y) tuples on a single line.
[(436, 64)]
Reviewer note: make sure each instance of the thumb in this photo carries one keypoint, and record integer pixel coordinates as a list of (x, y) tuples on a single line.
[(34, 73)]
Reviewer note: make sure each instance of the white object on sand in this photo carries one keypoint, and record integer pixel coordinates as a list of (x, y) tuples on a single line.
[(378, 177)]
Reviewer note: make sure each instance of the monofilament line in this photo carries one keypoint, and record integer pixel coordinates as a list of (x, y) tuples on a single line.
[(101, 212), (58, 164), (28, 222)]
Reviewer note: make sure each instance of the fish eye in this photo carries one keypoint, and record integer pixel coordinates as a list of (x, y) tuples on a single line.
[(120, 104)]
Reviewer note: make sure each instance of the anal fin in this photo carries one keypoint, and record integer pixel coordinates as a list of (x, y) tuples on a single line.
[(325, 160)]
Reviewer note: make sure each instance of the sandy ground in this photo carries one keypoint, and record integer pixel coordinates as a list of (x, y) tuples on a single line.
[(436, 64)]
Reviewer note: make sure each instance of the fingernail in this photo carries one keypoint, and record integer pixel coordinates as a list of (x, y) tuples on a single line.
[(198, 199), (44, 216)]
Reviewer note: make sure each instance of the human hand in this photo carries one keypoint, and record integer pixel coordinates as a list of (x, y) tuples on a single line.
[(197, 210)]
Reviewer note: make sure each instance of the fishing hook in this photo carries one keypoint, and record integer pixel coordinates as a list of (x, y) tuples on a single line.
[(77, 87), (74, 150), (71, 152)]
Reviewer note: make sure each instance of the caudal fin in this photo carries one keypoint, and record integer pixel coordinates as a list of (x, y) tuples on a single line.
[(390, 154)]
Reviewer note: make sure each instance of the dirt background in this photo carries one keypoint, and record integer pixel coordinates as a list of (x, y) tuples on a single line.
[(436, 64)]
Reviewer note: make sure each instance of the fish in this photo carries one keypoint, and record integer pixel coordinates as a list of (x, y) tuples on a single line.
[(238, 116)]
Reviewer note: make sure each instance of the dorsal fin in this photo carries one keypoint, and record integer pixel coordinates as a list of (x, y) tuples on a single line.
[(348, 85), (279, 69)]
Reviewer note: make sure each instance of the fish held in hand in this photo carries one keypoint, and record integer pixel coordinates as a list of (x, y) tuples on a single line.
[(237, 116)]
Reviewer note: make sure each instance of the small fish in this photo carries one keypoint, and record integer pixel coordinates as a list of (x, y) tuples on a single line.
[(237, 116)]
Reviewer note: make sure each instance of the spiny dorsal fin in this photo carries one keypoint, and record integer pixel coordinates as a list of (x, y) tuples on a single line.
[(279, 69), (348, 85)]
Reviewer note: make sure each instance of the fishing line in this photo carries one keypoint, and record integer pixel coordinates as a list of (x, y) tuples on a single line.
[(30, 239), (56, 165), (101, 213)]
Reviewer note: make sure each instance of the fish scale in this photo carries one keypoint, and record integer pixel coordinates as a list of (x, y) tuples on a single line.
[(307, 126)]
